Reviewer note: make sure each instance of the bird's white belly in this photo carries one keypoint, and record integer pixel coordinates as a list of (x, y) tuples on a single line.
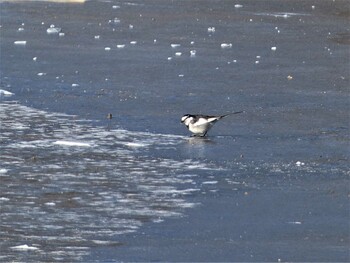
[(200, 129)]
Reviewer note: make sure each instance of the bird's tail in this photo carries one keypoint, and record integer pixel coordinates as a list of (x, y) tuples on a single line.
[(228, 114)]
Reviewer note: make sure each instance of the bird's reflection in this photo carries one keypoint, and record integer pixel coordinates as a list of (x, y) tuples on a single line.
[(197, 147), (198, 140)]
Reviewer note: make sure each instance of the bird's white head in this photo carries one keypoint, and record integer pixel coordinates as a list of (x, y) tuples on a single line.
[(186, 119)]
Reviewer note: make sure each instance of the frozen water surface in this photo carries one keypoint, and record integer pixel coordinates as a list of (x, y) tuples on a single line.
[(271, 184)]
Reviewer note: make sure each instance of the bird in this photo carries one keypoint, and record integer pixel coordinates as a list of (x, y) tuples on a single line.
[(200, 124)]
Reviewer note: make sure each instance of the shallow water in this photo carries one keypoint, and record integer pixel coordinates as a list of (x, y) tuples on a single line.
[(270, 184), (67, 185)]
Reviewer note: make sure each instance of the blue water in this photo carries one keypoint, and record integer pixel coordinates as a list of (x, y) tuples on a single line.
[(267, 185)]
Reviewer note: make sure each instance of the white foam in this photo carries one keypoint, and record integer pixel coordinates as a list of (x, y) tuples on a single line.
[(50, 204), (3, 171), (72, 143), (103, 242), (210, 182), (135, 144), (282, 14), (24, 248), (4, 199)]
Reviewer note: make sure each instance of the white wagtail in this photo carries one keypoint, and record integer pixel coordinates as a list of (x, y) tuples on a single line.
[(199, 124)]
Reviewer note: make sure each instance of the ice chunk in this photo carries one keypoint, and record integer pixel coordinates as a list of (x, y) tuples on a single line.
[(53, 30), (193, 53), (295, 222), (116, 20), (41, 74), (178, 54), (133, 42), (5, 93), (226, 45), (74, 85), (20, 42), (175, 45), (97, 37), (120, 46), (20, 29), (107, 48), (211, 29), (238, 6), (273, 48), (299, 163), (35, 58)]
